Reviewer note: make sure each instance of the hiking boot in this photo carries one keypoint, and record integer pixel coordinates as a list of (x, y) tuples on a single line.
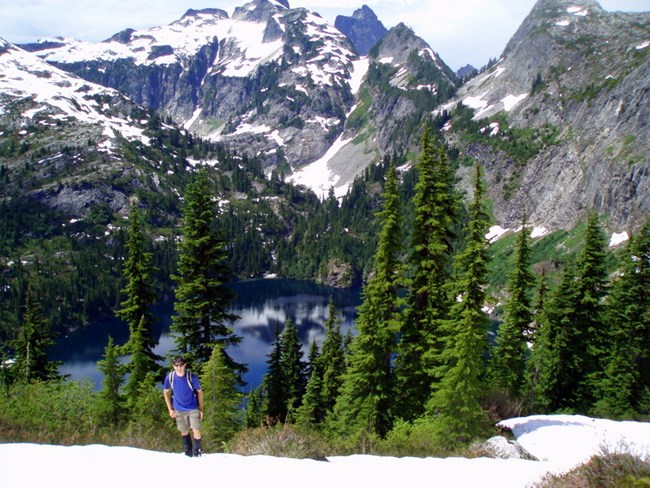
[(196, 448), (187, 445)]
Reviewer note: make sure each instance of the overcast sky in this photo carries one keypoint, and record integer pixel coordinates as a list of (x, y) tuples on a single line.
[(460, 31)]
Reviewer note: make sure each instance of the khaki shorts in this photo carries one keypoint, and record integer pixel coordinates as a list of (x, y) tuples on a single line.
[(190, 419)]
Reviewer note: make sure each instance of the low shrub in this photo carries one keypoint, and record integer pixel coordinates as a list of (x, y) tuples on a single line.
[(281, 441), (608, 468)]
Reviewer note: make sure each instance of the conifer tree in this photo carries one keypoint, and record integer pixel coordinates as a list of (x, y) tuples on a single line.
[(149, 415), (573, 365), (332, 360), (590, 344), (32, 345), (626, 386), (202, 298), (140, 296), (430, 258), (538, 307), (222, 398), (253, 409), (111, 403), (456, 403), (140, 364), (311, 412), (364, 407), (292, 369), (274, 400), (552, 361), (538, 344), (508, 358)]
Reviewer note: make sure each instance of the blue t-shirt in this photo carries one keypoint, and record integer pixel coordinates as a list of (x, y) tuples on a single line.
[(183, 398)]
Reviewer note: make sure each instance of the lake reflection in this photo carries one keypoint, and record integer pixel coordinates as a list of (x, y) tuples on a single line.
[(262, 305)]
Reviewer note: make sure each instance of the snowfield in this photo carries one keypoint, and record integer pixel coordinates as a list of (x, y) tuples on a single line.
[(560, 442)]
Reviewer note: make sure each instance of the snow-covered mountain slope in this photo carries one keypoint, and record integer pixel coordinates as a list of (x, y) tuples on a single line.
[(47, 96), (71, 145), (271, 81)]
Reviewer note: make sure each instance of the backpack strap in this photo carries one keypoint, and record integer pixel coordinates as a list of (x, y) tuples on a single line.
[(188, 377), (188, 374)]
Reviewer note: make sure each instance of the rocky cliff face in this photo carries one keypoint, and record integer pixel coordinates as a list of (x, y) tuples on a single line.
[(284, 85), (584, 72), (404, 81), (363, 29)]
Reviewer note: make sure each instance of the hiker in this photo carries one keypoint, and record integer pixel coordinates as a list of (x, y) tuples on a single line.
[(184, 398)]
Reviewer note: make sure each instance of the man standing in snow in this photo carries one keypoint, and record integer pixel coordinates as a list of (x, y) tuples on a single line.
[(184, 398)]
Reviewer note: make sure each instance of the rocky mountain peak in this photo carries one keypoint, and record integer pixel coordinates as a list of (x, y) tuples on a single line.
[(400, 42), (259, 10), (363, 29), (583, 73), (214, 12)]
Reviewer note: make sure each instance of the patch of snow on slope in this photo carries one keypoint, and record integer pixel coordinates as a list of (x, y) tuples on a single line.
[(246, 49), (511, 100), (317, 175), (580, 11), (477, 103), (538, 232), (495, 233), (618, 238), (193, 118), (360, 68), (560, 439)]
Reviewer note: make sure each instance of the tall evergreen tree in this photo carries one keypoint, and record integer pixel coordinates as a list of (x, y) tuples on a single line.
[(591, 334), (33, 344), (140, 364), (202, 298), (274, 400), (430, 258), (538, 307), (508, 361), (538, 345), (551, 362), (140, 296), (576, 336), (456, 403), (332, 360), (626, 386), (221, 398), (311, 411), (293, 369), (364, 406), (111, 402)]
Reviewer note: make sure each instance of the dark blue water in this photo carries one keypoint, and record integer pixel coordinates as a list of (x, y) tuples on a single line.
[(261, 306)]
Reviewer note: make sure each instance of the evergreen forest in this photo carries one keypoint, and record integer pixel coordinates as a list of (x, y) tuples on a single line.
[(427, 370)]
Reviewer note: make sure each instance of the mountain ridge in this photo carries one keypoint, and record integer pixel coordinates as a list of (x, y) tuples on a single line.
[(305, 102), (571, 61)]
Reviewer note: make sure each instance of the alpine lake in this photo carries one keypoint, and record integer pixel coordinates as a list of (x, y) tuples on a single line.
[(262, 306)]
